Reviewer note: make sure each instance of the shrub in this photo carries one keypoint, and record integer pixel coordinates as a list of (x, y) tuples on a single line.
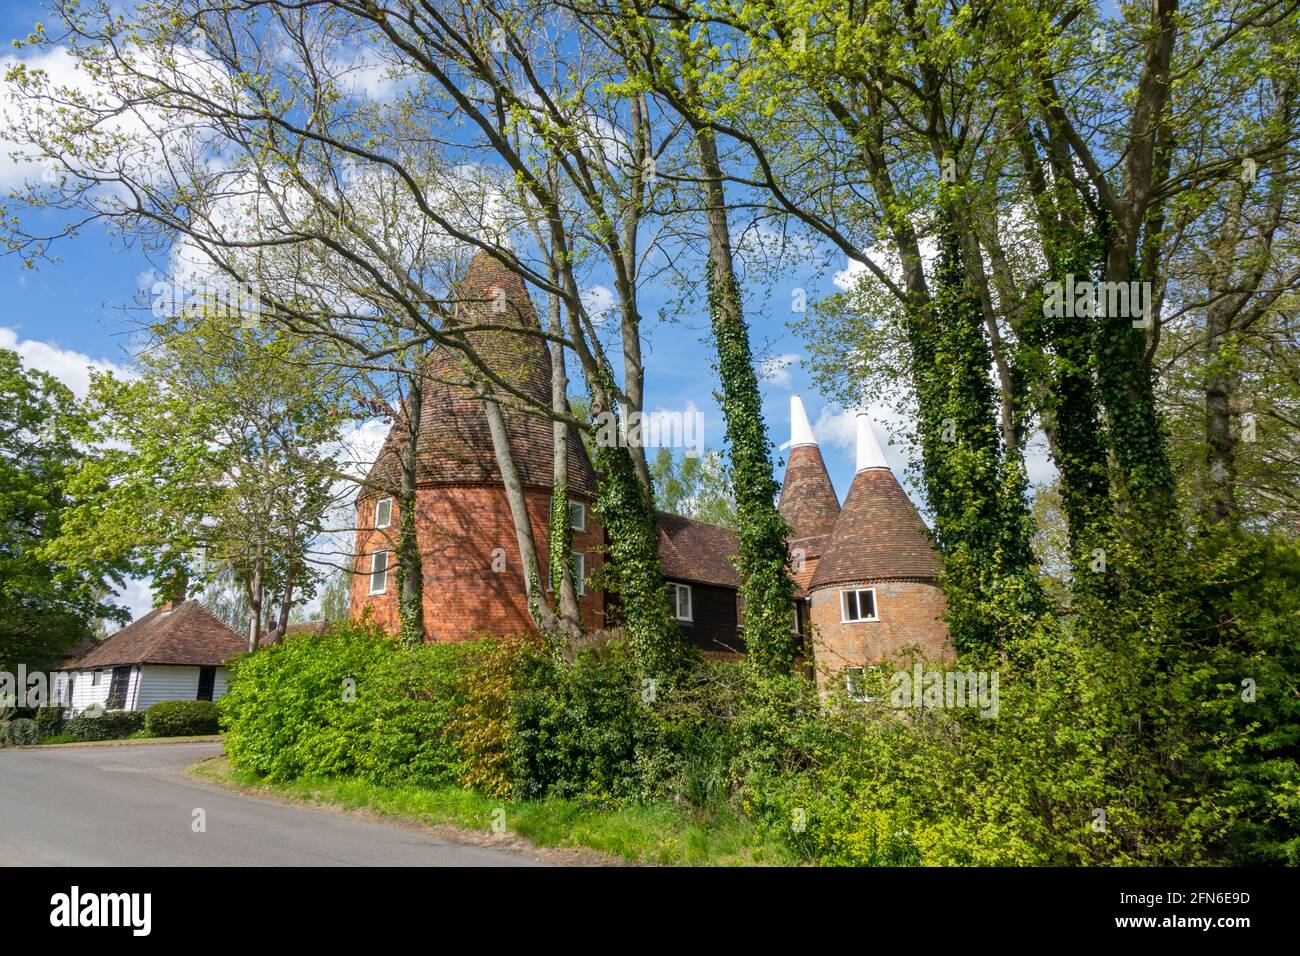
[(19, 732), (182, 718), (291, 708), (110, 725), (349, 701), (50, 721), (408, 715)]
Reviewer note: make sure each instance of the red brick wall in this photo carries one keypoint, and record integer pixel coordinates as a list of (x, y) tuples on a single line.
[(911, 616), (459, 528)]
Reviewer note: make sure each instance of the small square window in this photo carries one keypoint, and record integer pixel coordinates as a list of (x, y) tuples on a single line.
[(577, 516), (379, 572), (858, 605), (855, 684), (682, 602), (383, 512)]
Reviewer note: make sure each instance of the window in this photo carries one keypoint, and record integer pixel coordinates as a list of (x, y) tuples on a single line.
[(379, 572), (207, 681), (117, 688), (577, 516), (858, 605), (682, 602), (579, 572), (72, 685), (854, 685), (383, 512), (94, 680)]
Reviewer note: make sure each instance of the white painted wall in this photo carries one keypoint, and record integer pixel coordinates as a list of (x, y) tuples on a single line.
[(149, 684)]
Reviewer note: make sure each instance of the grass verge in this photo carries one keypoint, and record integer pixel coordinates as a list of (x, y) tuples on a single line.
[(658, 833)]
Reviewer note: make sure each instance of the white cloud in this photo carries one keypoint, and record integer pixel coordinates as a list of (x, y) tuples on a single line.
[(71, 368), (137, 596), (599, 303), (776, 369), (837, 428)]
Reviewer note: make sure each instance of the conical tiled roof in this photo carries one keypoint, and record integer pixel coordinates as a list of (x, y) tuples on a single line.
[(878, 535), (455, 445), (808, 504)]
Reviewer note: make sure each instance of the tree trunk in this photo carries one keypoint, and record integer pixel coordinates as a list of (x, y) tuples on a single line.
[(540, 611), (765, 584), (410, 569), (561, 536)]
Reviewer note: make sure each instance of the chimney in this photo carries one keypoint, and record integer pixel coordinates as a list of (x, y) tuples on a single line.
[(870, 454), (800, 431), (177, 587)]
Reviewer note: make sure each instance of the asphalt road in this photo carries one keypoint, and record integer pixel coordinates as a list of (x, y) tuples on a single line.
[(134, 806)]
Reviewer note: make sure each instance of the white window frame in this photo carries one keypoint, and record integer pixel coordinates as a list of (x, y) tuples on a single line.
[(859, 695), (379, 502), (677, 602), (844, 607), (579, 571), (581, 523), (383, 588)]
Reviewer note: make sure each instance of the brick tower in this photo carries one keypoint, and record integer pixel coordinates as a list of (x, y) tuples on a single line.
[(875, 589), (473, 575)]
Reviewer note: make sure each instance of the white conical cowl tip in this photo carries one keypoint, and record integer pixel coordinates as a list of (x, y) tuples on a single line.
[(870, 454), (800, 431)]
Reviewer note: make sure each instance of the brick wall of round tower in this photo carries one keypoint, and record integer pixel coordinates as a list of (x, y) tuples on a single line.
[(910, 617), (473, 576)]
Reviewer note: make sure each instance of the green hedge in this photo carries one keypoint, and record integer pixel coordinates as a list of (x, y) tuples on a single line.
[(110, 725), (19, 732), (350, 701), (182, 718)]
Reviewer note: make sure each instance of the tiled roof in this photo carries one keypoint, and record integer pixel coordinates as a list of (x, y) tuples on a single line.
[(304, 627), (187, 634), (878, 536), (455, 445), (694, 551), (808, 501)]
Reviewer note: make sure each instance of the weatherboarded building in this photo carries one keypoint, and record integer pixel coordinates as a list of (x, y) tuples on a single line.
[(178, 651)]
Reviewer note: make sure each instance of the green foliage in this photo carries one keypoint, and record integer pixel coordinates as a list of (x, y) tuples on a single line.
[(626, 511), (109, 725), (696, 487), (349, 701), (763, 556), (182, 718), (219, 446), (49, 720), (20, 732), (46, 606)]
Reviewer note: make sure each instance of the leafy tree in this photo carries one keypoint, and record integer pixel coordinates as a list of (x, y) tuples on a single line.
[(694, 487), (215, 458), (46, 606)]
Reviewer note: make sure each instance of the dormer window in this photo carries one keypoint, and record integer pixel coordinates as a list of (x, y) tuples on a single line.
[(383, 512), (577, 516), (858, 605), (379, 572)]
